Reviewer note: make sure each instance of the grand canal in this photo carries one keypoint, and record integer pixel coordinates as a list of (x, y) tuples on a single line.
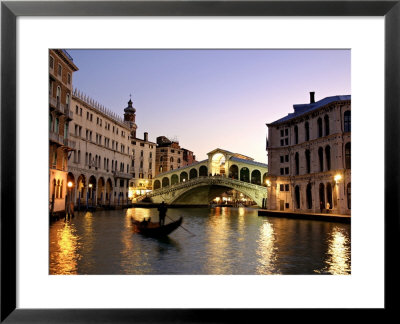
[(225, 241)]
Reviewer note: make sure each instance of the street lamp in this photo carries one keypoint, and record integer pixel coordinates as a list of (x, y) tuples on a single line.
[(337, 178), (69, 185), (268, 183)]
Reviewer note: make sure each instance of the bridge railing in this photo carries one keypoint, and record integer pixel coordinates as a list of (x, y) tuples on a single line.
[(200, 179)]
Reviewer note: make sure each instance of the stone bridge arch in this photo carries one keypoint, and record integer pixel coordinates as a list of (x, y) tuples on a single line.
[(202, 190)]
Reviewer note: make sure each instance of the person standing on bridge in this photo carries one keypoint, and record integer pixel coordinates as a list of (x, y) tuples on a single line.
[(162, 213)]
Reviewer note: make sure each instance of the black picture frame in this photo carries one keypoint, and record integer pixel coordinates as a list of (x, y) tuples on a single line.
[(10, 10)]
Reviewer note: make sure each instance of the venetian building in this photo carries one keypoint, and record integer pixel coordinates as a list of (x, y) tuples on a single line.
[(142, 157), (170, 155), (99, 168), (309, 158), (61, 69)]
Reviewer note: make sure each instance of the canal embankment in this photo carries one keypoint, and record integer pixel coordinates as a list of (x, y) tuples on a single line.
[(308, 216)]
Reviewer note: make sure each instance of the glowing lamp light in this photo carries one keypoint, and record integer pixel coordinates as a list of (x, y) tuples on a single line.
[(337, 178), (90, 185), (69, 184), (268, 183)]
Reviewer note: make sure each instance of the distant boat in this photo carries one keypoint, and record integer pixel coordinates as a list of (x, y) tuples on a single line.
[(154, 229)]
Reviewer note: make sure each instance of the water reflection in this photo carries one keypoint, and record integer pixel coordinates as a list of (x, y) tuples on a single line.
[(338, 256), (63, 247), (266, 250), (227, 241)]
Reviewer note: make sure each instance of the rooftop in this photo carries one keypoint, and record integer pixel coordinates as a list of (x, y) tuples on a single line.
[(303, 109), (259, 164)]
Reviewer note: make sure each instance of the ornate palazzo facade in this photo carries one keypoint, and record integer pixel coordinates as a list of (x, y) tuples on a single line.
[(309, 158)]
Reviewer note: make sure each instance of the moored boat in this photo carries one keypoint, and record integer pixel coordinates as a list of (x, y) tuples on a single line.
[(152, 229)]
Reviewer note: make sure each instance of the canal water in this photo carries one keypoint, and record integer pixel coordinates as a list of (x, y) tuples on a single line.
[(225, 241)]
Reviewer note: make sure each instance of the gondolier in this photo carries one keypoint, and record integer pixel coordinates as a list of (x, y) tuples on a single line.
[(162, 213)]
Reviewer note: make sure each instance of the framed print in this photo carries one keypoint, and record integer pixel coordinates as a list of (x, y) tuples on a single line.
[(223, 264)]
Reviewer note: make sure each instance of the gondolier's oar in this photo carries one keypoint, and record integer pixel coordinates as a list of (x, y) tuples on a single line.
[(182, 226)]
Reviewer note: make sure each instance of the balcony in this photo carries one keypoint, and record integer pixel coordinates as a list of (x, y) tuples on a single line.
[(69, 144), (123, 175), (56, 105), (56, 138), (69, 114)]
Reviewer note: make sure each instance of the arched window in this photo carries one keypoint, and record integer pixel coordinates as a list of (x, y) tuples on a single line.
[(161, 158), (56, 126), (58, 96), (307, 131), (326, 121), (349, 195), (171, 159), (233, 171), (193, 174), (309, 196), (347, 121), (256, 177), (183, 177), (297, 195), (321, 159), (61, 188), (179, 160), (156, 185), (174, 179), (203, 171), (172, 167), (160, 169), (66, 130), (347, 155), (244, 174), (321, 196), (328, 157), (67, 101), (51, 122), (296, 135), (319, 122), (296, 159), (165, 182), (308, 161), (329, 194)]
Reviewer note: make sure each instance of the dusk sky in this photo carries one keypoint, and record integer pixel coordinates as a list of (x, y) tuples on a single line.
[(210, 99)]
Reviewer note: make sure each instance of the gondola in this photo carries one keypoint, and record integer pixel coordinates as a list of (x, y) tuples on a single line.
[(152, 229)]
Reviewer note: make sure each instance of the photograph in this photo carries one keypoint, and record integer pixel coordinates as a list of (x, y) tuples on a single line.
[(199, 161)]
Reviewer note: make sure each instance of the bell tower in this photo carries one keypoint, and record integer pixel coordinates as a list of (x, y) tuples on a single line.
[(129, 117)]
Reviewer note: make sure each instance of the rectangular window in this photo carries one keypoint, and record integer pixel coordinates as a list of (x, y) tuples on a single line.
[(69, 78), (281, 187), (286, 170), (286, 132), (76, 110), (282, 143), (282, 134), (282, 171), (286, 141), (87, 115), (59, 69), (286, 158), (51, 62), (281, 157), (142, 144), (80, 113), (286, 187)]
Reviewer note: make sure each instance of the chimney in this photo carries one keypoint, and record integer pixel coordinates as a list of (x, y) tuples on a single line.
[(146, 136), (312, 98)]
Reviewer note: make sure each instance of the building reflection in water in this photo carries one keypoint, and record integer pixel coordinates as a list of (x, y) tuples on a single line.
[(266, 250), (338, 260), (64, 257), (134, 256), (217, 242)]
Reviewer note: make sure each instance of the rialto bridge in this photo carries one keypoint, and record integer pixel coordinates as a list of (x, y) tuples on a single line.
[(201, 182)]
